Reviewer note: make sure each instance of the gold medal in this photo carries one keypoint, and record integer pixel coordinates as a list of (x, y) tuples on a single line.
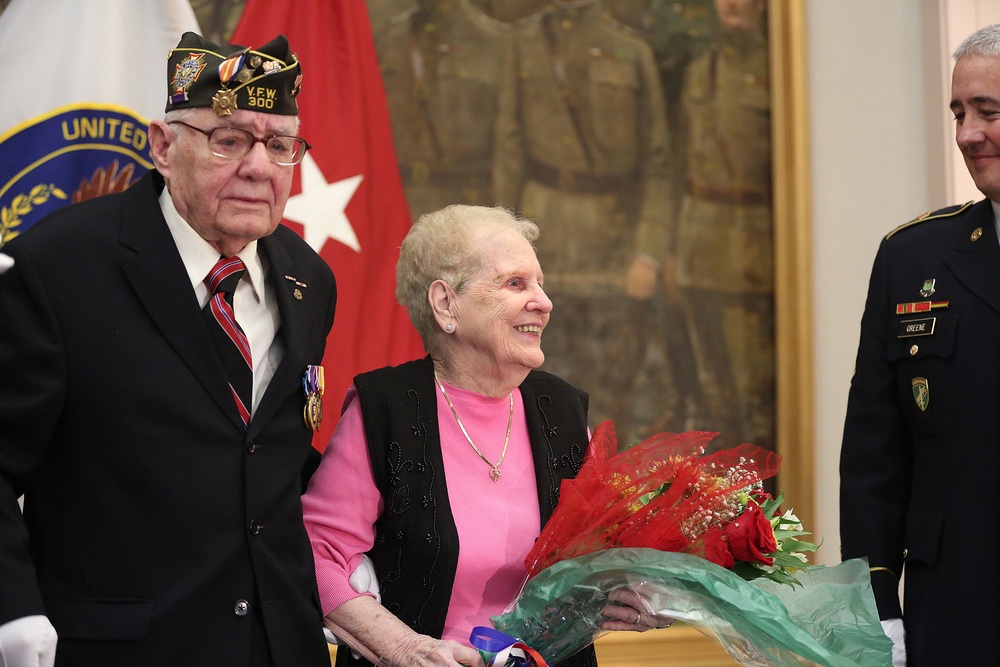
[(313, 411), (313, 385), (224, 102)]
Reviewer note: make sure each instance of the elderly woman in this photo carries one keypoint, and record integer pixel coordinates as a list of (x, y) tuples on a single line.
[(443, 470)]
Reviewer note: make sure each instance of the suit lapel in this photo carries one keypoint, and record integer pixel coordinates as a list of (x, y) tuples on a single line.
[(975, 261), (157, 275), (288, 375)]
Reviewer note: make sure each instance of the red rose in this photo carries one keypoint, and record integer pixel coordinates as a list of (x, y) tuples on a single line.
[(750, 536), (712, 547)]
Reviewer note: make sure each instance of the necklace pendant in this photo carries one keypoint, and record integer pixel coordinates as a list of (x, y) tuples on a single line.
[(495, 474)]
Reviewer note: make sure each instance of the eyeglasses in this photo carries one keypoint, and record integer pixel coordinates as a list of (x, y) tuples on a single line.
[(233, 143)]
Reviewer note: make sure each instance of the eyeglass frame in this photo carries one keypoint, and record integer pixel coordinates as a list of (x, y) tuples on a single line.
[(255, 140)]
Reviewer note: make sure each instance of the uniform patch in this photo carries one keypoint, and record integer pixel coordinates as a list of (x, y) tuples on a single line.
[(921, 393)]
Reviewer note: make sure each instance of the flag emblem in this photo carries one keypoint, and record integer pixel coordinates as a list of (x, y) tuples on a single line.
[(107, 144)]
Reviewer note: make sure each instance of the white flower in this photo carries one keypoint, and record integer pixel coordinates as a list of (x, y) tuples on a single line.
[(790, 521)]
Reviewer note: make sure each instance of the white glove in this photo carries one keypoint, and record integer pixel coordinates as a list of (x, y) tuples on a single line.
[(28, 642), (893, 628), (6, 261), (363, 580)]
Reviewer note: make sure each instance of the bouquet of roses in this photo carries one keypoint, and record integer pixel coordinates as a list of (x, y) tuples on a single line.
[(695, 536)]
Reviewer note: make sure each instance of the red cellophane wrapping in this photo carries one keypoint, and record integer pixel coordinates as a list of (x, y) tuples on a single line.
[(662, 493)]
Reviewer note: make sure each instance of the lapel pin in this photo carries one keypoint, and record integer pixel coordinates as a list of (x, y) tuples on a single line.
[(928, 288), (976, 234)]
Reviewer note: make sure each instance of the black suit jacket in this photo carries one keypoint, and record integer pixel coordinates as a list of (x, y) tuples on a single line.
[(151, 516), (921, 450)]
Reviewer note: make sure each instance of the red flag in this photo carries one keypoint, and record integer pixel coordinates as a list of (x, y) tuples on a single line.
[(347, 199)]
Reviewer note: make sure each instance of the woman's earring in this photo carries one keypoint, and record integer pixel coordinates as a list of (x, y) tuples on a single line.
[(448, 328)]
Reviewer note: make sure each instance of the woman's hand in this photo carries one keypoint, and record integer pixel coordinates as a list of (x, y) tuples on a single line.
[(385, 641), (631, 611), (424, 651)]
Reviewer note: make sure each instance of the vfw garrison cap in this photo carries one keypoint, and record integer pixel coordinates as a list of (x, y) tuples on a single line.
[(201, 73)]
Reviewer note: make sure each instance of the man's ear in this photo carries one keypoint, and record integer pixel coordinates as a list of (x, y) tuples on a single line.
[(160, 138)]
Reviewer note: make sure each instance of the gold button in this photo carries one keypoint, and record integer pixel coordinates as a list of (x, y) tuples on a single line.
[(976, 233), (913, 350)]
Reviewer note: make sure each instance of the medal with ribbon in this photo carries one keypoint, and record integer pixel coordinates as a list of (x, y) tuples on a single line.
[(313, 384), (507, 651)]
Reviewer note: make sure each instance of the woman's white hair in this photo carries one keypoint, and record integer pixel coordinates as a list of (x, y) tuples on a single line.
[(438, 246)]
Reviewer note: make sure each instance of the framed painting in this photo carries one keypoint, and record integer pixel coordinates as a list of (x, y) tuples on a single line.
[(660, 146)]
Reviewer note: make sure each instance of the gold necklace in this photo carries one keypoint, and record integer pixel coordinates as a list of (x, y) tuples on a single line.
[(494, 467)]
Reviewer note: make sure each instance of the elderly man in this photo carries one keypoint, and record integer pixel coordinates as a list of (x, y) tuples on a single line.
[(159, 382), (920, 458)]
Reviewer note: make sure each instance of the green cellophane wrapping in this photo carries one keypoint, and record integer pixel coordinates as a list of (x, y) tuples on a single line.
[(830, 619)]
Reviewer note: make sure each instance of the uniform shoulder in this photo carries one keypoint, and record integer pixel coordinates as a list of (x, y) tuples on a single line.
[(615, 23), (403, 17), (940, 214), (484, 21)]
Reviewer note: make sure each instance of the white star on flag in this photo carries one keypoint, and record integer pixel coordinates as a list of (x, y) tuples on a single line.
[(319, 208)]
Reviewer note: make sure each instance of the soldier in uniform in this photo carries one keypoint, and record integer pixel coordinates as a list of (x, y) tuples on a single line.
[(441, 63), (677, 32), (920, 455), (511, 11), (582, 143), (724, 259)]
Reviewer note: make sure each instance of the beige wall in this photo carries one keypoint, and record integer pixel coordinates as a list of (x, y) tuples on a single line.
[(869, 106)]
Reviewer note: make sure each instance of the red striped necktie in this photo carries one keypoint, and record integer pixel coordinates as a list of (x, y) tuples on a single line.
[(231, 342)]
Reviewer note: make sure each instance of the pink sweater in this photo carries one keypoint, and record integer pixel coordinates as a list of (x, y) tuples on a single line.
[(497, 521)]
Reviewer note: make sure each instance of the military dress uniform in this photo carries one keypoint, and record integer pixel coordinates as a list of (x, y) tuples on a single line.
[(725, 262), (511, 11), (441, 65), (920, 454), (582, 147), (677, 32)]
